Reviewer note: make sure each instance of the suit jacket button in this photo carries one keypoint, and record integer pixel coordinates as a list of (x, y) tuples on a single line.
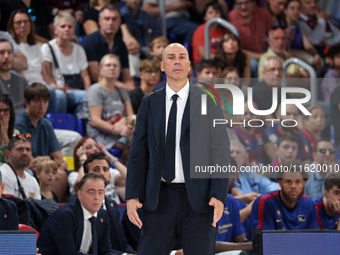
[(156, 148)]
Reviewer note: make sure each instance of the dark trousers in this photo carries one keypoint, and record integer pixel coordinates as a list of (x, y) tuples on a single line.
[(175, 220)]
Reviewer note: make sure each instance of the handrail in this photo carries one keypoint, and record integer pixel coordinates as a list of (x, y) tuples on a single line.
[(309, 69), (162, 15), (221, 22)]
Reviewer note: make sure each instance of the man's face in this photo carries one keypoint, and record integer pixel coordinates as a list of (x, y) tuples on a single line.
[(277, 40), (331, 196), (175, 62), (238, 154), (308, 7), (316, 122), (277, 6), (100, 167), (6, 57), (292, 112), (273, 73), (292, 185), (287, 151), (91, 195), (37, 107), (244, 8), (109, 22), (21, 153), (325, 153), (208, 72)]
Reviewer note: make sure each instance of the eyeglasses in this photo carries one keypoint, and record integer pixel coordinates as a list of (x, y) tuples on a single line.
[(323, 151), (4, 110), (25, 137), (18, 22)]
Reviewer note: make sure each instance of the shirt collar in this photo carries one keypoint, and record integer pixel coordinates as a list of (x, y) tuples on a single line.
[(182, 94), (86, 213)]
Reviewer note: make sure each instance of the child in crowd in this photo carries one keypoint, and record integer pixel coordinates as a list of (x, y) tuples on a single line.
[(157, 45), (46, 173)]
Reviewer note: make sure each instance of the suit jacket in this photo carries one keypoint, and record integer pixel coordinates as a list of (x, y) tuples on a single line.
[(8, 215), (63, 231), (201, 144)]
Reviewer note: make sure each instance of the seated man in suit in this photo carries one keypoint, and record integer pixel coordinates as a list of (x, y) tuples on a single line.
[(81, 226), (8, 211), (328, 206), (97, 163)]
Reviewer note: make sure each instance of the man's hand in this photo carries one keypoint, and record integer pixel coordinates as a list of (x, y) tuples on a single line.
[(131, 206), (218, 209), (335, 206)]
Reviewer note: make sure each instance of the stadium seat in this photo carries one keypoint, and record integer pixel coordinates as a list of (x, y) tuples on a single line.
[(62, 121)]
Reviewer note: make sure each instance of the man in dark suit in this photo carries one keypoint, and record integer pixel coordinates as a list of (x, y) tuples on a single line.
[(179, 202), (97, 163), (8, 211), (74, 227)]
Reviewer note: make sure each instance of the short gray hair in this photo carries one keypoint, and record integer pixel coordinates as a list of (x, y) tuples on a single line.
[(265, 62), (64, 15)]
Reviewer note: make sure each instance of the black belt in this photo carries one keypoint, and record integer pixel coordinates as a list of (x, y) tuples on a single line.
[(173, 185)]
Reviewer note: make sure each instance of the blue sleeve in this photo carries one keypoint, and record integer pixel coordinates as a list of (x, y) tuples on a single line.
[(236, 220)]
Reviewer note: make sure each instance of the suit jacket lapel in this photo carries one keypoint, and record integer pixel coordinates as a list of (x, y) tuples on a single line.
[(193, 105), (158, 107)]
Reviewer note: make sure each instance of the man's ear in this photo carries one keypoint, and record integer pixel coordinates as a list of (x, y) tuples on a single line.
[(162, 66), (25, 103)]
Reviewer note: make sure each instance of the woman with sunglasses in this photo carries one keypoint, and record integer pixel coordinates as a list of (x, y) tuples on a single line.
[(314, 124), (7, 117)]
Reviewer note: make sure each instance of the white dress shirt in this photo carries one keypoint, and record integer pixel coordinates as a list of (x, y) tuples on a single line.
[(86, 241)]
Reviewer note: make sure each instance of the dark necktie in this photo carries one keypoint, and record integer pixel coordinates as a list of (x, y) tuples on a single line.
[(94, 235), (170, 143)]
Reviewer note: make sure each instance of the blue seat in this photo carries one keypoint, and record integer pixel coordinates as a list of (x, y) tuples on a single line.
[(62, 121)]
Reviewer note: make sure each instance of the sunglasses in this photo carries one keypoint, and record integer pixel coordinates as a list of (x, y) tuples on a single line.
[(24, 137), (323, 151)]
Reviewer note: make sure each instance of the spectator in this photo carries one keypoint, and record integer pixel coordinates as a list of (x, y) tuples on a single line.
[(11, 84), (7, 117), (157, 45), (72, 7), (46, 174), (277, 41), (9, 209), (335, 114), (19, 182), (105, 41), (272, 78), (149, 72), (276, 10), (254, 139), (65, 61), (298, 43), (21, 27), (141, 24), (248, 184), (84, 148), (328, 206), (105, 105), (290, 127), (314, 124), (287, 149), (320, 31), (97, 164), (324, 163), (39, 13), (331, 79), (91, 25), (211, 10), (288, 208), (44, 142), (177, 16), (251, 22), (20, 61), (72, 230), (229, 54), (207, 69)]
